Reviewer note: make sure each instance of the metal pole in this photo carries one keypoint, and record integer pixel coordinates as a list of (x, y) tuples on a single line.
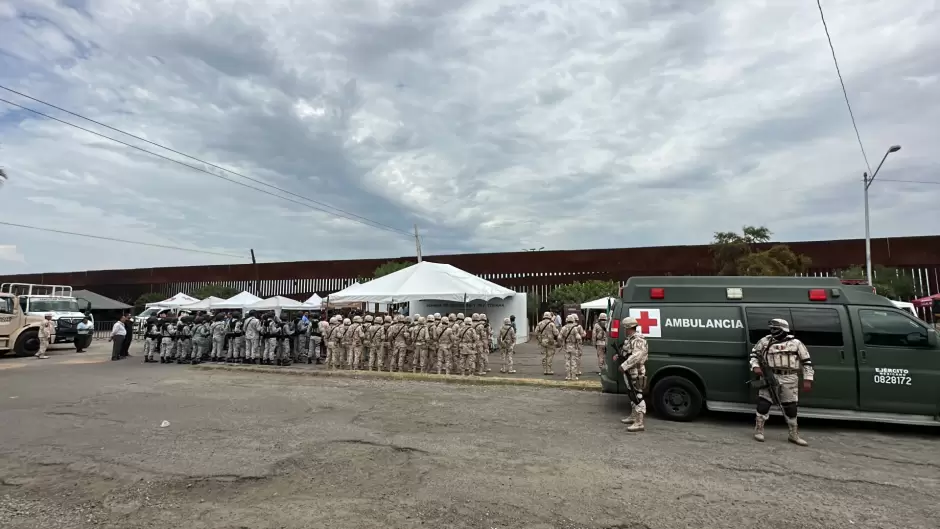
[(417, 243), (866, 182)]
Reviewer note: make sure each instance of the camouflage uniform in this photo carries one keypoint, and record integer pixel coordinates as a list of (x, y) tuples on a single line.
[(218, 340), (786, 357), (202, 339), (487, 344), (434, 335), (445, 347), (331, 336), (422, 339), (507, 345), (579, 350), (634, 353), (599, 336), (571, 341), (167, 342), (366, 343), (252, 338), (271, 330), (546, 333), (186, 341), (285, 337), (467, 338), (356, 336), (302, 339), (375, 337), (345, 344), (151, 339)]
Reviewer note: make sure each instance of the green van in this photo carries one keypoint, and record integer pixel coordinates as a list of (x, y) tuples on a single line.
[(873, 361)]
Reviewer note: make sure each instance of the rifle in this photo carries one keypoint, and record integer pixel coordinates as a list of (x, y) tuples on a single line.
[(632, 392), (767, 379)]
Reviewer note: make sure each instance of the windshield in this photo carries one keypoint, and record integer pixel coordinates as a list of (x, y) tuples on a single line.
[(147, 313), (53, 305)]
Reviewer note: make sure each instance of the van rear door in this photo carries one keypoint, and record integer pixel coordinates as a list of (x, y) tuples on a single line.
[(899, 372)]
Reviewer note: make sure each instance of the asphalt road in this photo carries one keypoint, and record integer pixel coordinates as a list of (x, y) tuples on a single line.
[(81, 445)]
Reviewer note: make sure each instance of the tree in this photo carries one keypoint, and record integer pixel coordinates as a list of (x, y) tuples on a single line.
[(218, 291), (389, 268), (578, 292), (151, 297), (889, 282), (735, 254)]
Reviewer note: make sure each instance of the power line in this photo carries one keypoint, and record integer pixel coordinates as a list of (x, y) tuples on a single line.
[(936, 183), (125, 241), (343, 214), (845, 93)]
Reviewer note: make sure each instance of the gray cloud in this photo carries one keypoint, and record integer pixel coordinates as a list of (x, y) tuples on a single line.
[(494, 127)]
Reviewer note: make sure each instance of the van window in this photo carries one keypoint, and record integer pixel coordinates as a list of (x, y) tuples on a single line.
[(758, 319), (891, 329), (820, 327), (6, 305)]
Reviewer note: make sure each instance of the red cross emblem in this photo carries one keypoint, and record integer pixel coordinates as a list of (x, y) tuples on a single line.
[(645, 322)]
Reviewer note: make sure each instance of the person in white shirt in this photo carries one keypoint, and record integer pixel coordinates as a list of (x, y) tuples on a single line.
[(46, 336), (83, 340), (118, 333)]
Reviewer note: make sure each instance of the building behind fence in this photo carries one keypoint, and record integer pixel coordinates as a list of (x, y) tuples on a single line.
[(535, 273)]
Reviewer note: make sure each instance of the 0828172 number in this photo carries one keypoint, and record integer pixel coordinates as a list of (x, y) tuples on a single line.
[(891, 379)]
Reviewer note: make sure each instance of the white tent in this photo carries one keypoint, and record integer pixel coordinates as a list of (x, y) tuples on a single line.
[(313, 302), (424, 281), (205, 304), (238, 301), (278, 303), (598, 304), (176, 301)]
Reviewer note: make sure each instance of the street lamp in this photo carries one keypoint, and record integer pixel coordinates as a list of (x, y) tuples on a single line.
[(867, 181)]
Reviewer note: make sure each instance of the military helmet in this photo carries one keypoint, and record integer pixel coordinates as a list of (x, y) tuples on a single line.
[(437, 315), (416, 316), (407, 319), (546, 315), (388, 319), (357, 319), (431, 318), (483, 317), (460, 316), (422, 320), (467, 320), (369, 318), (506, 321), (347, 321), (452, 316), (630, 322), (603, 316)]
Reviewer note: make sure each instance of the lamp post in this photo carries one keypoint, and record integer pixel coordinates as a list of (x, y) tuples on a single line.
[(867, 180)]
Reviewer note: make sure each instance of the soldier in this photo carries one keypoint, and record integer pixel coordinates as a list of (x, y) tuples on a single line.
[(185, 347), (238, 340), (571, 341), (202, 340), (398, 338), (218, 339), (330, 337), (46, 336), (445, 347), (167, 341), (374, 337), (487, 344), (634, 354), (356, 336), (151, 339), (507, 345), (366, 343), (785, 356), (467, 339), (345, 344), (480, 330), (579, 351), (285, 337), (387, 322), (302, 338), (433, 336), (422, 339), (269, 335), (599, 336), (252, 338), (546, 333)]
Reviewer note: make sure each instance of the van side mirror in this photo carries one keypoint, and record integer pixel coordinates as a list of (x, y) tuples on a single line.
[(932, 338)]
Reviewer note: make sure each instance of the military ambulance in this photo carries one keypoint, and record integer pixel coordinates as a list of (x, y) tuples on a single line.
[(873, 361)]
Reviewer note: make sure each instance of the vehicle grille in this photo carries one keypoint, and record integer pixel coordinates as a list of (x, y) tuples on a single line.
[(68, 324)]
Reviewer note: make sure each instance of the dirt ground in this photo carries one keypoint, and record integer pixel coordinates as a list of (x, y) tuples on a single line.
[(81, 445)]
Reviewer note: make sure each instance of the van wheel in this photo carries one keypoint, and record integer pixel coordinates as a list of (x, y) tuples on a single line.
[(677, 399), (27, 344)]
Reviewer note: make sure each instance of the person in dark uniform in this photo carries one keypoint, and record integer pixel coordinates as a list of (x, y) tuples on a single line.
[(126, 344)]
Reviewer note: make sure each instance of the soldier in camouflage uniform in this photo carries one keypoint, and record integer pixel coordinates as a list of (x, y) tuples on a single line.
[(467, 339), (252, 338), (202, 339), (375, 336), (580, 350), (168, 341), (546, 333), (634, 353), (487, 344), (399, 341), (599, 337), (270, 335), (786, 357), (218, 339), (570, 339), (238, 340), (151, 339), (330, 337), (446, 343), (185, 344), (507, 345), (355, 336)]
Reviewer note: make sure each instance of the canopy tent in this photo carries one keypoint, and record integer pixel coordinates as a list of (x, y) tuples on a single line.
[(174, 302), (905, 306), (205, 304), (314, 302), (99, 302), (238, 301), (423, 281), (926, 302), (598, 304), (278, 303)]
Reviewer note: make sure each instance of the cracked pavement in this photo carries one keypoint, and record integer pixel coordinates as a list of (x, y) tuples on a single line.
[(81, 446)]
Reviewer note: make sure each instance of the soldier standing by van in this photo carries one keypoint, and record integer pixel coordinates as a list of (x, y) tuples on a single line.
[(599, 335), (634, 351), (785, 356), (546, 333)]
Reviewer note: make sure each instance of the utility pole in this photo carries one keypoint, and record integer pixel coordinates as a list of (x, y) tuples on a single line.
[(254, 264), (417, 243), (867, 180)]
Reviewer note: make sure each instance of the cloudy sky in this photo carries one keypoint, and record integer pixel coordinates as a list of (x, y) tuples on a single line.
[(493, 125)]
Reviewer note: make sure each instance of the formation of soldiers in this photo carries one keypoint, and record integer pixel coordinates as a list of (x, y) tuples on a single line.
[(452, 344), (570, 337), (258, 338)]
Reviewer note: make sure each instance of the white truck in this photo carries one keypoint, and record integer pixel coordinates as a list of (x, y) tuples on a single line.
[(35, 301)]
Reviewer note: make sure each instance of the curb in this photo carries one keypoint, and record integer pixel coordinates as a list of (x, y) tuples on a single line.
[(421, 377)]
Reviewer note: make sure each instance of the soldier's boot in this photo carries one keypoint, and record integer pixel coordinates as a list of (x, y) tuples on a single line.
[(759, 428), (637, 425), (794, 435), (629, 420)]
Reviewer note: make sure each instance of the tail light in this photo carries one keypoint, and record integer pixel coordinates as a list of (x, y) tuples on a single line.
[(614, 331), (817, 294), (657, 293)]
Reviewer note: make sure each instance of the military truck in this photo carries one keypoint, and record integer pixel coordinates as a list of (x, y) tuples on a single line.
[(18, 332), (38, 300), (873, 361)]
